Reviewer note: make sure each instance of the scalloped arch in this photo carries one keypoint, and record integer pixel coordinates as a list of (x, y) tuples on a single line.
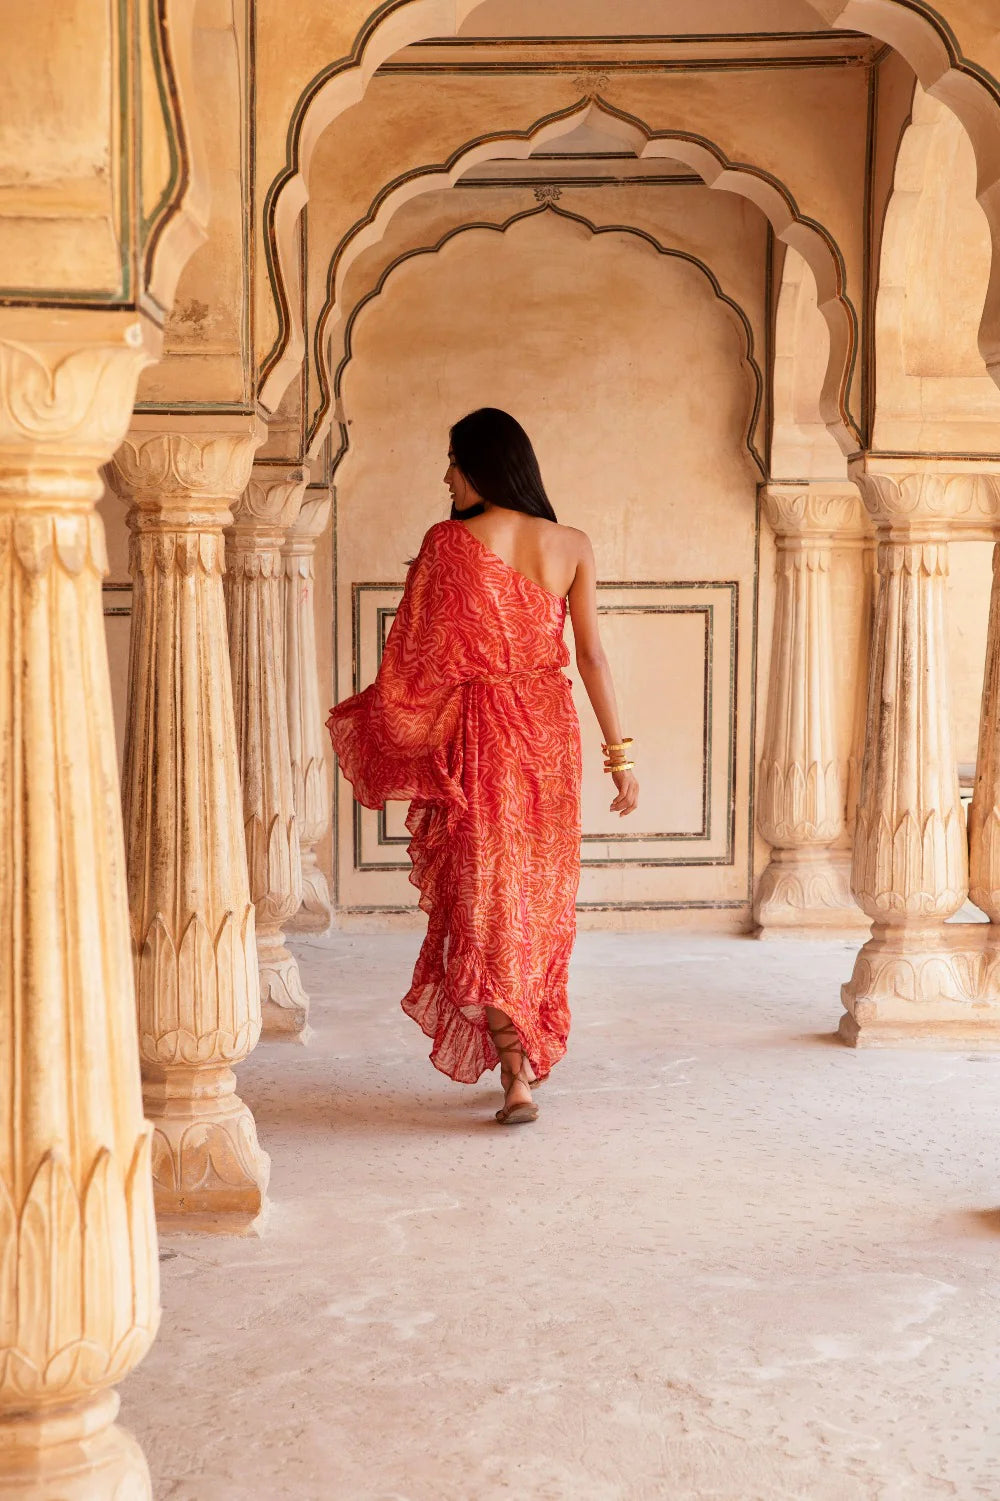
[(180, 223), (913, 28), (931, 386), (738, 317), (921, 35), (811, 239), (802, 447)]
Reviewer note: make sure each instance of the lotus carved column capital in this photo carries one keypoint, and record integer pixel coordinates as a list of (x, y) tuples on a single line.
[(914, 497), (313, 518), (823, 511), (268, 506), (65, 402), (185, 468)]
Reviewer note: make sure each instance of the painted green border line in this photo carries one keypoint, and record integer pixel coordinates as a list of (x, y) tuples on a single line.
[(663, 65)]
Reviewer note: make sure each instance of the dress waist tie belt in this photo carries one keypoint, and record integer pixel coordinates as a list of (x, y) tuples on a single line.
[(513, 677)]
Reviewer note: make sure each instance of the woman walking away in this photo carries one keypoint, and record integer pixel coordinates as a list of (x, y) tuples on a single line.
[(471, 719)]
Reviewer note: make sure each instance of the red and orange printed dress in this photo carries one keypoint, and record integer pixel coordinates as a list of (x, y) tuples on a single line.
[(471, 718)]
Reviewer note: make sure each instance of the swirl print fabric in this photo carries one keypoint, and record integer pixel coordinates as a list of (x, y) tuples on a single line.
[(471, 718)]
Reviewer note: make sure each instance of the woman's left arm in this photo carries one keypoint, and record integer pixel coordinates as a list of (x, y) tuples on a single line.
[(595, 670)]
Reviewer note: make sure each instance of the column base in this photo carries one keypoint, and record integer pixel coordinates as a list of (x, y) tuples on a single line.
[(284, 1004), (806, 893), (207, 1161), (921, 988), (316, 912), (72, 1453)]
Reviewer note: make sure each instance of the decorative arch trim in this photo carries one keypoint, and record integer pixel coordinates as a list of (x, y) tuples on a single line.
[(178, 224), (913, 27), (925, 39), (742, 322), (338, 85), (811, 239)]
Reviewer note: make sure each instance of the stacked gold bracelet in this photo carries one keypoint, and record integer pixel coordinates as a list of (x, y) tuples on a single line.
[(615, 756)]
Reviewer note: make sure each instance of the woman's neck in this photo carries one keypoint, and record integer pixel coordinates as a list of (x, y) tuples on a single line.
[(476, 507)]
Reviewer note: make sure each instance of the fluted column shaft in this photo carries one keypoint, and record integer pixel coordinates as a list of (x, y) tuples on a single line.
[(307, 737), (193, 939), (869, 580), (800, 789), (984, 815), (79, 1293), (914, 980), (265, 511)]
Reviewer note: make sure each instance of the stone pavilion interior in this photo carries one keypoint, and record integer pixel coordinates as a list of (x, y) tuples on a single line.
[(736, 267)]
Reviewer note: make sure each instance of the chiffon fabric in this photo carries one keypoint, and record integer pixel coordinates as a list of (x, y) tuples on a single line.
[(471, 719)]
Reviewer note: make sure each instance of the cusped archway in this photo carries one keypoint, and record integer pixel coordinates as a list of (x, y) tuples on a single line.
[(696, 152), (921, 35), (932, 392), (338, 343)]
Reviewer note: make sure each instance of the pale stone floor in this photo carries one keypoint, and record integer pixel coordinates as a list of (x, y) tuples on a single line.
[(733, 1260)]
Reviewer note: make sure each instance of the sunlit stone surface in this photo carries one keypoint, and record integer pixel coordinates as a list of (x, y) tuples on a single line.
[(733, 1259)]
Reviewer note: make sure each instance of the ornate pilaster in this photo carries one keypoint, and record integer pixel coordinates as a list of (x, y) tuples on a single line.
[(265, 511), (984, 815), (914, 981), (192, 922), (306, 734), (800, 789), (855, 760), (79, 1294)]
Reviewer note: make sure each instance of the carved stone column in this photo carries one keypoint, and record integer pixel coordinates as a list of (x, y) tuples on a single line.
[(306, 734), (192, 922), (869, 586), (984, 815), (265, 511), (914, 981), (79, 1292), (800, 789)]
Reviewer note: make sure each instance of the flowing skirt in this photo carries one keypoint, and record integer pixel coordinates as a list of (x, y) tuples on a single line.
[(498, 881)]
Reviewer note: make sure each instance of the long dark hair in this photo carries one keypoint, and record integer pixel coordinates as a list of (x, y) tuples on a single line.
[(495, 454)]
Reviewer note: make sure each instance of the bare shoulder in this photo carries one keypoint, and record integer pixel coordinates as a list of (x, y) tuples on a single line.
[(570, 538), (576, 543), (578, 538), (575, 555)]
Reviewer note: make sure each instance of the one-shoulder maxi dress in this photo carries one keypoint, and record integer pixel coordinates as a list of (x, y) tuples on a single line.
[(471, 719)]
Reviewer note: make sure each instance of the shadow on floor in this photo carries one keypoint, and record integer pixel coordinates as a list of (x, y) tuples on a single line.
[(820, 1039), (378, 1111), (983, 1223)]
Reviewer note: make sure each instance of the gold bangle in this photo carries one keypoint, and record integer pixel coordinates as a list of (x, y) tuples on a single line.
[(619, 766), (627, 741)]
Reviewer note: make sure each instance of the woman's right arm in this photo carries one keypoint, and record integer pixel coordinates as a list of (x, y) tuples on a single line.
[(595, 671)]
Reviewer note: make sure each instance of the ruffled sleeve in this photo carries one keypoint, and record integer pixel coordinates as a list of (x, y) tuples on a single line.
[(397, 740)]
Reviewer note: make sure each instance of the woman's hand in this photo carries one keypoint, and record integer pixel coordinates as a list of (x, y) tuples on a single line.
[(628, 793)]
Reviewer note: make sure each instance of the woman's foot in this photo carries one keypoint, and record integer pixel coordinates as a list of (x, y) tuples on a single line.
[(516, 1072)]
